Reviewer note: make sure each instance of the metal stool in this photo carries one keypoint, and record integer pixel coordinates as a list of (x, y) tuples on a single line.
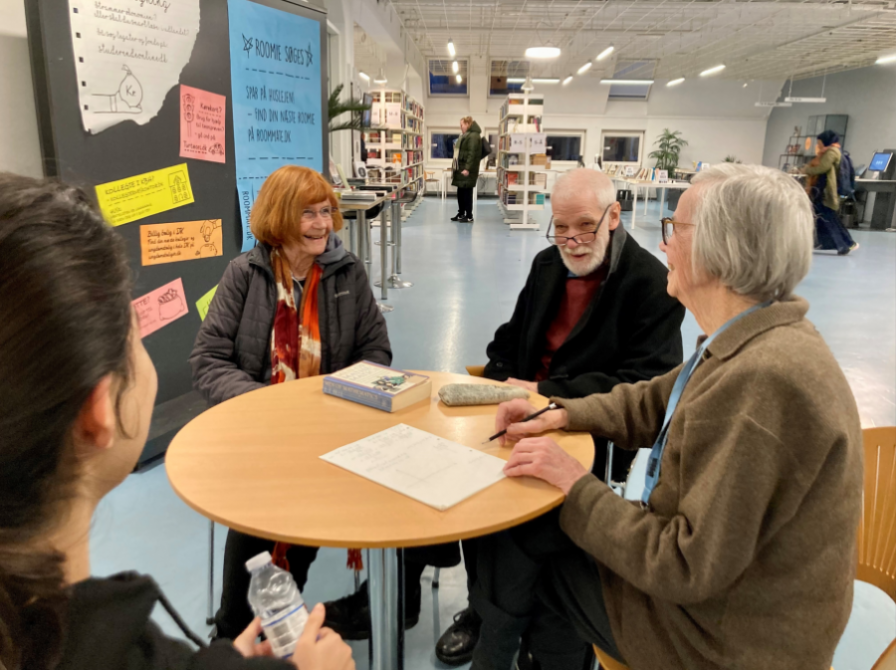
[(209, 614), (395, 281)]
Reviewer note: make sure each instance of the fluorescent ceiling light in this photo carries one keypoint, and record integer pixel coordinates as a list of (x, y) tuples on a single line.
[(459, 79), (885, 59), (675, 82), (567, 80), (455, 67), (546, 80), (516, 80), (606, 52), (451, 51), (542, 52), (712, 70), (627, 82), (798, 99), (584, 68), (745, 84), (364, 76)]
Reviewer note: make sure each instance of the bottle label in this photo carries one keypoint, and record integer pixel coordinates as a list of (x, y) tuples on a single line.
[(284, 630)]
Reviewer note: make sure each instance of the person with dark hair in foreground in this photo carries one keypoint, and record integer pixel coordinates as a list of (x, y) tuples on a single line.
[(75, 406)]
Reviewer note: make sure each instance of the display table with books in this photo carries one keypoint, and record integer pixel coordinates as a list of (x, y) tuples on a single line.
[(254, 463)]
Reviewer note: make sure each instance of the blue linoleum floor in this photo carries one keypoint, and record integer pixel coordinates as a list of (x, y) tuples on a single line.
[(466, 280)]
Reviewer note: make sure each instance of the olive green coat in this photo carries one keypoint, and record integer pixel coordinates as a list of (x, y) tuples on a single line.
[(469, 155), (830, 166)]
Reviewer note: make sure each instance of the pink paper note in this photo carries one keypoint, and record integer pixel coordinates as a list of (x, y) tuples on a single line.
[(158, 308), (202, 124)]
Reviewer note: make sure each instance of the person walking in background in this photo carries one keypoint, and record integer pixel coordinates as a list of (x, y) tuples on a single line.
[(466, 167), (823, 171)]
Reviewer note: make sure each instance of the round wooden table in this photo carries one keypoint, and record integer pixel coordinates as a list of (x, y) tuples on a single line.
[(252, 463)]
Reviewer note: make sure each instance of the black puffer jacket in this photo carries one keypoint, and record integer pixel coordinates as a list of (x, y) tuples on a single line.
[(109, 627), (232, 354)]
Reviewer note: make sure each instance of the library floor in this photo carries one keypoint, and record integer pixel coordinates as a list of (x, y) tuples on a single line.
[(466, 280)]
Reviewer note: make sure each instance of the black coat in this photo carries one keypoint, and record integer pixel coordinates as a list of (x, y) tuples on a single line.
[(232, 353), (469, 156), (630, 332), (108, 626)]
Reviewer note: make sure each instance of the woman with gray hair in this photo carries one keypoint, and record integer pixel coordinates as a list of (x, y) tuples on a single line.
[(741, 550)]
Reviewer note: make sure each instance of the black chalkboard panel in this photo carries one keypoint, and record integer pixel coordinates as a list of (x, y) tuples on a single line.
[(128, 149)]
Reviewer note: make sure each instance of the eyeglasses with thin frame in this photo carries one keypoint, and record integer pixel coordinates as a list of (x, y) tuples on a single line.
[(326, 213), (667, 224), (581, 238)]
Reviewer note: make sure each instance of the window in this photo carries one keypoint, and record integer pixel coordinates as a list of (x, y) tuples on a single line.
[(565, 147), (441, 144), (621, 147), (632, 70), (502, 72), (443, 80)]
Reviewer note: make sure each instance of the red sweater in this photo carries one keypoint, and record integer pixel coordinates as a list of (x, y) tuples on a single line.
[(579, 293)]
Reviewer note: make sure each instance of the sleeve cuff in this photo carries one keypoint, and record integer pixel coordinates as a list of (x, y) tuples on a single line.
[(576, 409)]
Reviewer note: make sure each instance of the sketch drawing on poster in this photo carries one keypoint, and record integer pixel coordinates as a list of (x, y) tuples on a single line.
[(125, 100), (128, 55)]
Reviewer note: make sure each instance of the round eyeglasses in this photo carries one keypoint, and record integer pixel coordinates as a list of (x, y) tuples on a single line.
[(581, 238), (667, 224)]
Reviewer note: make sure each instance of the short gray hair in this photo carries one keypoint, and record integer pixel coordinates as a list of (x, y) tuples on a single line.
[(754, 230), (574, 181)]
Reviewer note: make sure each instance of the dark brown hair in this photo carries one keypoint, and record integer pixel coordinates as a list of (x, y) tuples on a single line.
[(65, 320), (283, 197)]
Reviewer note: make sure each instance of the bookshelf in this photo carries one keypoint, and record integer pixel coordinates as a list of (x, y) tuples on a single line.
[(522, 163), (394, 144)]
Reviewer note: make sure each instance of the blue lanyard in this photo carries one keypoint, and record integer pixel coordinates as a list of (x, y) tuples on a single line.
[(656, 453)]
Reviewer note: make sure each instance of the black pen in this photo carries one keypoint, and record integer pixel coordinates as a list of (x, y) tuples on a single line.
[(523, 420)]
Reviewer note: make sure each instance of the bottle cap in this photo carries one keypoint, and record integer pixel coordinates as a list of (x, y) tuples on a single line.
[(256, 562)]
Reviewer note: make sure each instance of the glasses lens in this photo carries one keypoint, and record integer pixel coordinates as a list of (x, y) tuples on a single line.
[(553, 239), (585, 238)]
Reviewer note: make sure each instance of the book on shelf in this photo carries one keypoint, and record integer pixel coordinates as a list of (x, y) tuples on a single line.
[(378, 386)]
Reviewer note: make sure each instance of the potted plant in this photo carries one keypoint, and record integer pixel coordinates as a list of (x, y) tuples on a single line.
[(337, 107), (669, 146)]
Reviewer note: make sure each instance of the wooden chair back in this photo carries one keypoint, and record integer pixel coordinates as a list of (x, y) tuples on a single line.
[(877, 528), (476, 370)]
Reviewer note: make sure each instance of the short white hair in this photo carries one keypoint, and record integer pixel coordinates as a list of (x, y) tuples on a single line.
[(754, 230), (584, 180)]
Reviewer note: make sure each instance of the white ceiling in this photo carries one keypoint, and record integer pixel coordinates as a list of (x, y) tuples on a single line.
[(755, 39)]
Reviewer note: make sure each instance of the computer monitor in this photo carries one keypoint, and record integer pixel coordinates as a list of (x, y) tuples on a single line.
[(365, 115), (880, 162)]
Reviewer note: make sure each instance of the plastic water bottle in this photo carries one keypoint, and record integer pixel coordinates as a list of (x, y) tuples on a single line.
[(275, 598)]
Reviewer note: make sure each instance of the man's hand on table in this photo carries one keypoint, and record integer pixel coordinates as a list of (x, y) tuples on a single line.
[(539, 457), (532, 387)]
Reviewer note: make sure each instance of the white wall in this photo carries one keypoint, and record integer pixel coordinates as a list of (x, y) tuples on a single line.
[(19, 144), (717, 117), (867, 95)]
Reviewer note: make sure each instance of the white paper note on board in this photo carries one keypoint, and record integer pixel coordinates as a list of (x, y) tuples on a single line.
[(128, 55)]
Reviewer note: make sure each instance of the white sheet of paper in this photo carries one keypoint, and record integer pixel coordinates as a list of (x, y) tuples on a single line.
[(420, 465), (128, 55)]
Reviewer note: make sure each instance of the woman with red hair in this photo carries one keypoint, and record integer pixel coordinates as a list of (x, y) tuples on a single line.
[(297, 305)]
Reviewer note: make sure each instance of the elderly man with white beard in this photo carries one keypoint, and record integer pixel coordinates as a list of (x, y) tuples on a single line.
[(594, 313)]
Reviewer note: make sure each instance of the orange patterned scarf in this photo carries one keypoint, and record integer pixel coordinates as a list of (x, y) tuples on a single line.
[(295, 345)]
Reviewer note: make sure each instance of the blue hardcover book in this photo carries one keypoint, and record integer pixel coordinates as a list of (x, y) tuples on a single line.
[(378, 386)]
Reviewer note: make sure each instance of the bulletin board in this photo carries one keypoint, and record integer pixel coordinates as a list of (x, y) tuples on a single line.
[(171, 113)]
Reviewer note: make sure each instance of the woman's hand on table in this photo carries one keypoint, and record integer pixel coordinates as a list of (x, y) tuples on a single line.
[(543, 458), (321, 648), (511, 413)]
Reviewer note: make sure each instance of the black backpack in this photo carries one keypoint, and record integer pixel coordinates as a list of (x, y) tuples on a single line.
[(486, 147), (846, 180)]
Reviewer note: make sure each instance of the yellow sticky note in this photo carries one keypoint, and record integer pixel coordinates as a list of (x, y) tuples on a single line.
[(205, 302), (145, 194)]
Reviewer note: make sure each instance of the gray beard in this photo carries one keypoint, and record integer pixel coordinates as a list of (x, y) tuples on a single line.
[(595, 258)]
